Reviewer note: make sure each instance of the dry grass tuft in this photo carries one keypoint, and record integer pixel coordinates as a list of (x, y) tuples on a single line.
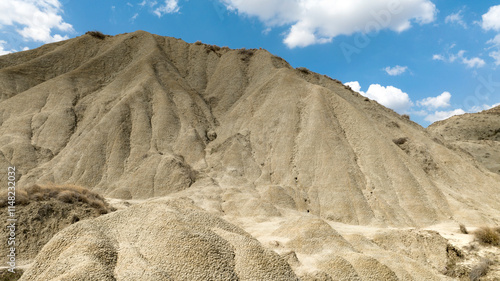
[(198, 43), (406, 116), (65, 193), (463, 229), (488, 235), (96, 34)]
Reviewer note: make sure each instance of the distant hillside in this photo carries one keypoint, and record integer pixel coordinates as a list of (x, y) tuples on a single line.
[(478, 134)]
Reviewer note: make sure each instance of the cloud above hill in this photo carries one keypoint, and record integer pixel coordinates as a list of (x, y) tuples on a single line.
[(442, 100), (431, 109), (319, 21), (441, 115), (388, 96), (396, 70), (35, 20), (491, 21)]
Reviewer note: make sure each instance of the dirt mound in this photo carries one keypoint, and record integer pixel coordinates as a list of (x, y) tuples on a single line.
[(478, 134), (163, 241), (42, 211)]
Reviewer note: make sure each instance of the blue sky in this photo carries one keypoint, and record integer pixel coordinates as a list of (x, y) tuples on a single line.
[(426, 58)]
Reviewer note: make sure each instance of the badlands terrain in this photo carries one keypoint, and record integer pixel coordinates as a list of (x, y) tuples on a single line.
[(223, 164)]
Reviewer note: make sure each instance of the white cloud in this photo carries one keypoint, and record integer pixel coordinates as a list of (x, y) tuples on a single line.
[(442, 100), (427, 108), (396, 70), (441, 115), (438, 57), (456, 18), (354, 86), (496, 44), (35, 19), (389, 96), (479, 108), (169, 7), (496, 56), (419, 112), (474, 62), (491, 20), (319, 21), (495, 41), (495, 105), (2, 50)]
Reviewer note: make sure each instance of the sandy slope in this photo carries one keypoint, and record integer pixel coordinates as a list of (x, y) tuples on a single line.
[(266, 150)]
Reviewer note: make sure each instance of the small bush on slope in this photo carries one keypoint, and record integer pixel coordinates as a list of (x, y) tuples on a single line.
[(96, 34), (63, 193), (488, 235)]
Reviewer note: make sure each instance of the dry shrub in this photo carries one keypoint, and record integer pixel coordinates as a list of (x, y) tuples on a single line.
[(488, 235), (101, 206), (198, 43), (304, 70), (463, 229), (212, 48), (400, 141), (244, 51), (64, 193), (406, 116), (96, 34), (247, 54), (67, 196), (480, 269)]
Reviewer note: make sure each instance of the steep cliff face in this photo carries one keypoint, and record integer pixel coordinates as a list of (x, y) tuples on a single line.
[(139, 116)]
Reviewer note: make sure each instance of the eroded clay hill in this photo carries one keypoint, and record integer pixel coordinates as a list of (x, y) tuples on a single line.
[(478, 134), (261, 171), (139, 116)]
